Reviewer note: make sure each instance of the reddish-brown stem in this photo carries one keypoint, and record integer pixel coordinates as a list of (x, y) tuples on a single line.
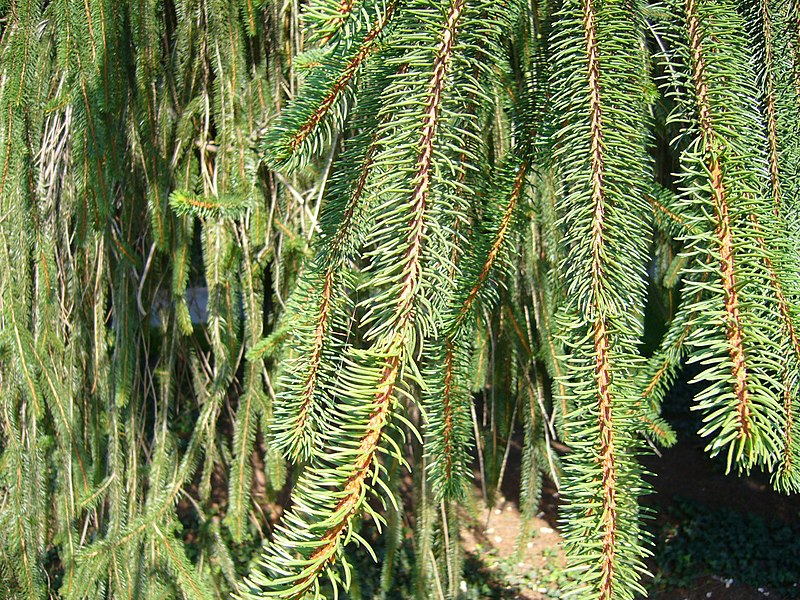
[(602, 346)]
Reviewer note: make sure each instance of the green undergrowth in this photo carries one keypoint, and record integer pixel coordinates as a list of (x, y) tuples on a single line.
[(693, 540), (487, 576)]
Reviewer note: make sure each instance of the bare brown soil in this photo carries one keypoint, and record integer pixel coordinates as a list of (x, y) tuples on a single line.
[(498, 531)]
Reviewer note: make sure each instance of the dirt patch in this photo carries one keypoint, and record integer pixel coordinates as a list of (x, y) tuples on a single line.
[(716, 588), (512, 550)]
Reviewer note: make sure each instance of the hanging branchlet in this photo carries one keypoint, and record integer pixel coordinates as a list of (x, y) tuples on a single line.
[(308, 124), (602, 150), (771, 25), (333, 488), (320, 306), (449, 429), (725, 249)]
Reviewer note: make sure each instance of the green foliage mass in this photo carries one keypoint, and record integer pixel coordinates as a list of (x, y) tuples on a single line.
[(250, 248)]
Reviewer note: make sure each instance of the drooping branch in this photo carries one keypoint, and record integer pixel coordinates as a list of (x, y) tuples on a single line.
[(389, 349), (404, 315), (292, 139), (733, 322), (602, 344)]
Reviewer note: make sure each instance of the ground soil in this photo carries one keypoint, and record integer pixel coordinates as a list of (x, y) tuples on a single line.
[(683, 471), (495, 538)]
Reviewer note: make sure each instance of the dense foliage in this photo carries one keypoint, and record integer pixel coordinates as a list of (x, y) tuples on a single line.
[(247, 247)]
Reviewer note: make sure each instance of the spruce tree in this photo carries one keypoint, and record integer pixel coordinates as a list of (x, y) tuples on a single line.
[(249, 247)]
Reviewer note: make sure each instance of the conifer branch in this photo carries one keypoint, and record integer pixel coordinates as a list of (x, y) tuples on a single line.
[(543, 305), (749, 339), (448, 448), (449, 427), (403, 313), (365, 49), (603, 367), (251, 403), (295, 133), (723, 230), (789, 371), (497, 244), (783, 144), (301, 437), (301, 413), (330, 524), (769, 100), (603, 471)]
